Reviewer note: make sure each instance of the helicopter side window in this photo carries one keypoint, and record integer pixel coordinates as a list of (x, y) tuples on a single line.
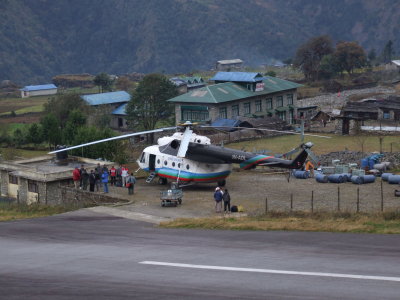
[(179, 165), (165, 162), (142, 158), (158, 161), (187, 167), (173, 164)]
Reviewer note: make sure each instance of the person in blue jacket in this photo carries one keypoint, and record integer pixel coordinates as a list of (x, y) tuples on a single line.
[(104, 180), (218, 199)]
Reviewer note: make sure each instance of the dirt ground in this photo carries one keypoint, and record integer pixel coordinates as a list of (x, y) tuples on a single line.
[(251, 189), (26, 119)]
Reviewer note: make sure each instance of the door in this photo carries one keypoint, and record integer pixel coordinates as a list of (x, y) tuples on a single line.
[(152, 162), (345, 126)]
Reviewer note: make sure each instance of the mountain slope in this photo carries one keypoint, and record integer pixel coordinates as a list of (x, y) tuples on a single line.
[(39, 39)]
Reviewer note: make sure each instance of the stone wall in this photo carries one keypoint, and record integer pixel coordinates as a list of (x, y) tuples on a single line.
[(70, 195), (346, 157)]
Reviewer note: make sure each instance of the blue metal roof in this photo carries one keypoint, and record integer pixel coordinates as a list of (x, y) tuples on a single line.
[(30, 88), (224, 123), (238, 77), (120, 110), (107, 98)]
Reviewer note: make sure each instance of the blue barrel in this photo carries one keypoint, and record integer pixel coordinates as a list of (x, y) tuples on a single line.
[(301, 174), (347, 176), (364, 163), (394, 179), (385, 176), (368, 178), (371, 164), (336, 178), (321, 178), (357, 179)]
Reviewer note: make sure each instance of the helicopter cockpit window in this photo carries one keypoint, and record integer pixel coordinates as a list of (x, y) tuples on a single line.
[(187, 167), (142, 158)]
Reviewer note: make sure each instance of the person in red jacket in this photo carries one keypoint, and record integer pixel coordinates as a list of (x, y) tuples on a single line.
[(113, 174), (76, 177)]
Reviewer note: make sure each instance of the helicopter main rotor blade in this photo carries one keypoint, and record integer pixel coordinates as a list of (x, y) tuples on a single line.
[(113, 138), (273, 130), (185, 142)]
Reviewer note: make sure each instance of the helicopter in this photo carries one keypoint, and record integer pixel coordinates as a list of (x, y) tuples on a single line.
[(187, 158)]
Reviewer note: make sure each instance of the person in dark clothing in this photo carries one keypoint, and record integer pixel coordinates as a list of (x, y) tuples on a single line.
[(97, 173), (131, 181), (81, 173), (227, 201), (92, 181), (85, 179), (218, 199)]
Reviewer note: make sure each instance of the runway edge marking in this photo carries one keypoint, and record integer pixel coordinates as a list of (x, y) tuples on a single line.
[(269, 271)]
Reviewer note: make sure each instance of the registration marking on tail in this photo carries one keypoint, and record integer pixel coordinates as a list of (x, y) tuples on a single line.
[(270, 271)]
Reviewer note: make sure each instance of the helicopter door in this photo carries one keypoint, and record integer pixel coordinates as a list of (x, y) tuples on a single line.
[(152, 162)]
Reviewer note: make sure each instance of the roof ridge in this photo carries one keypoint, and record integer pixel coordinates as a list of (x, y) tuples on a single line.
[(207, 87)]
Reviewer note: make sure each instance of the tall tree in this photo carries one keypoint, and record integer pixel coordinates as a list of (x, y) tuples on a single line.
[(76, 119), (350, 55), (148, 104), (51, 129), (103, 81), (309, 55), (62, 105), (388, 52)]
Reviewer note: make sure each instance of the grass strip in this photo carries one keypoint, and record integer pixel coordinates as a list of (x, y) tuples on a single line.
[(382, 223), (14, 211)]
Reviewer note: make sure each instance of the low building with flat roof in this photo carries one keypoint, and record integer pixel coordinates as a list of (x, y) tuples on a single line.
[(38, 90)]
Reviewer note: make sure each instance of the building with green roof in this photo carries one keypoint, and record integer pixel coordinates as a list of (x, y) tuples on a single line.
[(237, 94)]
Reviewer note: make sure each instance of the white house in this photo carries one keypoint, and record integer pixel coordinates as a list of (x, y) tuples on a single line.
[(38, 90)]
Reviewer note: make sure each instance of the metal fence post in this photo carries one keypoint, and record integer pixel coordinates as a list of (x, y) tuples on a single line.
[(312, 201), (381, 195), (266, 204), (291, 202), (358, 199), (338, 198)]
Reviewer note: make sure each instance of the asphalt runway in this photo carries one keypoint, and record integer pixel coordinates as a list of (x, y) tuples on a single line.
[(88, 255)]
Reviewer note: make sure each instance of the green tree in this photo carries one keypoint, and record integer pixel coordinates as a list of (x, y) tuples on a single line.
[(124, 84), (148, 104), (34, 134), (108, 150), (62, 105), (51, 129), (372, 55), (388, 52), (350, 55), (103, 81), (19, 138), (76, 119), (309, 55), (329, 66)]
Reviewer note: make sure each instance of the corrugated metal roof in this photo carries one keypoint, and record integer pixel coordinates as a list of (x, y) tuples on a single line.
[(396, 62), (230, 61), (229, 91), (29, 88), (107, 98), (238, 77), (120, 110)]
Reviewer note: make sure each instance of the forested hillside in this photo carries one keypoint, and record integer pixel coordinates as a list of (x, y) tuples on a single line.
[(42, 38)]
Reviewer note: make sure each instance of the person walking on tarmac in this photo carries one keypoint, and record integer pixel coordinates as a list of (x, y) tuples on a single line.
[(218, 199), (227, 201), (131, 184)]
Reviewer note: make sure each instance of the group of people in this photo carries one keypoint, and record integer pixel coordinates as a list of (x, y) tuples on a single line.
[(222, 195), (102, 176)]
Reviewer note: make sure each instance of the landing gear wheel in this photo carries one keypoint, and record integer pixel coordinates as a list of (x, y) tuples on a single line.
[(222, 182), (179, 201), (162, 181)]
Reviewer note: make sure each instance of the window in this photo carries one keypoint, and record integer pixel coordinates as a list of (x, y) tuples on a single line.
[(165, 162), (142, 158), (269, 103), (282, 115), (235, 110), (386, 115), (258, 105), (12, 179), (291, 117), (289, 98), (194, 113), (173, 164), (246, 107), (250, 86), (222, 113), (32, 186), (279, 101), (187, 167)]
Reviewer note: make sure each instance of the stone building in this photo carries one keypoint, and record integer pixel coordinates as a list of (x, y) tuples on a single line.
[(40, 180), (229, 64), (238, 94)]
